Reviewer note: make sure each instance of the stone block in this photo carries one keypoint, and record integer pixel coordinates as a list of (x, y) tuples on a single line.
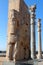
[(18, 63)]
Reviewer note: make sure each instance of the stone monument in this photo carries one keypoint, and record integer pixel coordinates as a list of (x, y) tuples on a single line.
[(18, 41)]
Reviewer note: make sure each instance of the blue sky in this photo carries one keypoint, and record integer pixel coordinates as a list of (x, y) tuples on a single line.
[(4, 20)]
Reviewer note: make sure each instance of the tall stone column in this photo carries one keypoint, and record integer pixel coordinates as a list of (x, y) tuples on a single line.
[(32, 19), (39, 40)]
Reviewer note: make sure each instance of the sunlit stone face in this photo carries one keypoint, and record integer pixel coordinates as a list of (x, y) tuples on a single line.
[(11, 0), (19, 29)]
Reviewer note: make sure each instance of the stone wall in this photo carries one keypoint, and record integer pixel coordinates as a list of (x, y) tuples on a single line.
[(18, 47)]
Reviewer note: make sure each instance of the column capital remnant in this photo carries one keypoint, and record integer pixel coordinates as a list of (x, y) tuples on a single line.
[(39, 20), (39, 25), (32, 8)]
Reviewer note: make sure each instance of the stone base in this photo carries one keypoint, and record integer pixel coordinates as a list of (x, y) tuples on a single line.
[(9, 63), (17, 63), (30, 62)]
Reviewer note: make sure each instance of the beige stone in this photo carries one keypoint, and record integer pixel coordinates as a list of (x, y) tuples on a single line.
[(18, 31), (39, 40), (33, 42)]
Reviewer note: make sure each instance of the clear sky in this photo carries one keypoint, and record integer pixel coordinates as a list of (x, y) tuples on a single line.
[(4, 20)]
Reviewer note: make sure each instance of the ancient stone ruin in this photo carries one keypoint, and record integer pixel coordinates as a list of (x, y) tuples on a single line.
[(21, 31)]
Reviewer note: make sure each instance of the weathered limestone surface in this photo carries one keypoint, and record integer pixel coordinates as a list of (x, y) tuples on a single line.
[(33, 43), (18, 44), (39, 40)]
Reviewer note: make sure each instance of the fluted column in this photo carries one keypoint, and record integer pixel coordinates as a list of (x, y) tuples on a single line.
[(32, 20), (39, 40)]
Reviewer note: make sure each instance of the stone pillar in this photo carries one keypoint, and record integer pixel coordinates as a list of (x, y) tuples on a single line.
[(39, 40), (33, 44)]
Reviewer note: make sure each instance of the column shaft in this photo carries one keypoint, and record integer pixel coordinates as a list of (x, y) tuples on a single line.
[(33, 48), (39, 40)]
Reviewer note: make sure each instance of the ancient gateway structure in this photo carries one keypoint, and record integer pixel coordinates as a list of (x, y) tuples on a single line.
[(21, 30)]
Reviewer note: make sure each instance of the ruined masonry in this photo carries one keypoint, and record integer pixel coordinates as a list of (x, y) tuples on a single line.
[(18, 47), (21, 42)]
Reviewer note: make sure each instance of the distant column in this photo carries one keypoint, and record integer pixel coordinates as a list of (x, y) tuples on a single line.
[(33, 44), (39, 40)]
